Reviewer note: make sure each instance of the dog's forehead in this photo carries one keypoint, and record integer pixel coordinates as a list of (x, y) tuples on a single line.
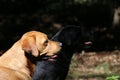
[(39, 36), (34, 34)]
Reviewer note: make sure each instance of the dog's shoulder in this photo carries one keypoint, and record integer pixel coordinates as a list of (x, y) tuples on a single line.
[(9, 74)]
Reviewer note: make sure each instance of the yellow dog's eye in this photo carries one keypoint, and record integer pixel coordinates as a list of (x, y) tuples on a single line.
[(46, 43)]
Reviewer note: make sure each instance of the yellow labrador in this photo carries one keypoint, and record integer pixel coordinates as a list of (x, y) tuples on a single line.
[(14, 65)]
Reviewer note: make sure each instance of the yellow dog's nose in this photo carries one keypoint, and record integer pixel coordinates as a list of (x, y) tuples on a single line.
[(60, 44)]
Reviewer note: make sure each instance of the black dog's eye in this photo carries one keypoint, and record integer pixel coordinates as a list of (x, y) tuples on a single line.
[(46, 43)]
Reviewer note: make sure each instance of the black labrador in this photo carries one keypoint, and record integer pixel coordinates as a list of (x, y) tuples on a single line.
[(73, 39)]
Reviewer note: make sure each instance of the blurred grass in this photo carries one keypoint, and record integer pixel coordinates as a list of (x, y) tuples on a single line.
[(94, 65)]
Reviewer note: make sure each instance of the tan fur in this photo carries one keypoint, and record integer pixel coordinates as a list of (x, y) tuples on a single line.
[(14, 65)]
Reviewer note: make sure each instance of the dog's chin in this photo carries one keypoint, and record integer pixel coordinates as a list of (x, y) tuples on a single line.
[(49, 58)]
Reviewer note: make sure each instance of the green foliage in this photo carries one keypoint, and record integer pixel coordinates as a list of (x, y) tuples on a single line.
[(113, 78)]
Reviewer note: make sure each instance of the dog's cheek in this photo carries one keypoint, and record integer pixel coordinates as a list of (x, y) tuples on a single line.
[(54, 48)]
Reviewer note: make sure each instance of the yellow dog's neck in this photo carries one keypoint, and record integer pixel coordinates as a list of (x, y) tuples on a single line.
[(15, 59)]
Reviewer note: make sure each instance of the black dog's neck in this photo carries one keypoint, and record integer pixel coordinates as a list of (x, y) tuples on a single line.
[(65, 54)]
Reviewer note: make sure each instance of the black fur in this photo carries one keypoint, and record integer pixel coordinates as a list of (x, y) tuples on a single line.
[(72, 39)]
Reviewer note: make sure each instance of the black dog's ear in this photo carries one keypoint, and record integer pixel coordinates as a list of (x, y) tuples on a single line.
[(69, 36), (65, 39)]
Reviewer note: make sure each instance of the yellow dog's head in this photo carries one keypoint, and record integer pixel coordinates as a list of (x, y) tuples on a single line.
[(37, 43)]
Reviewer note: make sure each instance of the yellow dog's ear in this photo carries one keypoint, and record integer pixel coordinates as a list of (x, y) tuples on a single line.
[(29, 45)]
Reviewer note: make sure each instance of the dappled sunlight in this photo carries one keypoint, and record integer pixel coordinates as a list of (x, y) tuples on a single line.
[(94, 65)]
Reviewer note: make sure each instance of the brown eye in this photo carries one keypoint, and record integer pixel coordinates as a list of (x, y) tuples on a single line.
[(46, 43)]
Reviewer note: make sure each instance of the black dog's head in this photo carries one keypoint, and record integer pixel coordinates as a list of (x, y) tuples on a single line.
[(74, 37)]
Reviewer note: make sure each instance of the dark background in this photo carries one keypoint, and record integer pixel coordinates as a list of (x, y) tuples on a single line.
[(48, 16)]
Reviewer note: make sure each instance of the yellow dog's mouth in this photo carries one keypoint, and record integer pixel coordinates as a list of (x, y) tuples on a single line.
[(49, 58)]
